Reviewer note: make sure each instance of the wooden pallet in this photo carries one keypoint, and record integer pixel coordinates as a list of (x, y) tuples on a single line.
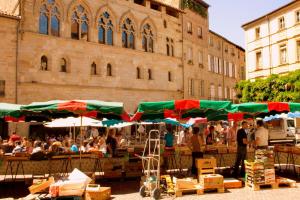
[(285, 182), (198, 191), (256, 187), (180, 192)]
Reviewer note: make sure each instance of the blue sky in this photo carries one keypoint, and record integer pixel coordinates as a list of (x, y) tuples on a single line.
[(227, 16)]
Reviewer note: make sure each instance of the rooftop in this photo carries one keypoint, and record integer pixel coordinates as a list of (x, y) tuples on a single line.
[(244, 26), (237, 46)]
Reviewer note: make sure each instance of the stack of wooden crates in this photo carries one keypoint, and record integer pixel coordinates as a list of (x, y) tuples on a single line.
[(207, 177)]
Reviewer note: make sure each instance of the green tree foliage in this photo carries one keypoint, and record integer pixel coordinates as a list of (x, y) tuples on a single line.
[(195, 6), (273, 88)]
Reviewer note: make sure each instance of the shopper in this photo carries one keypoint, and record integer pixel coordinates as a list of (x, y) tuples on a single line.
[(210, 136), (261, 136), (231, 137), (195, 143), (241, 150)]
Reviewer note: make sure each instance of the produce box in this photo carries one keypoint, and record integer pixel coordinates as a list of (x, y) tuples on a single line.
[(101, 193), (209, 163), (232, 183), (186, 183), (211, 181), (40, 186)]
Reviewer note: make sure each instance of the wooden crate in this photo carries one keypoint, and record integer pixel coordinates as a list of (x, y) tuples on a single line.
[(38, 187), (257, 187), (230, 183), (196, 189), (206, 166), (285, 182), (211, 181), (186, 183), (103, 193)]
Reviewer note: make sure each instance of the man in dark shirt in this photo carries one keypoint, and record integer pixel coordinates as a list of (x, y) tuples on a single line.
[(111, 143), (241, 150)]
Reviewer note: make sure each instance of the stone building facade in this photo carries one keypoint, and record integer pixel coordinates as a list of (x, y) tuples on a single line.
[(111, 50), (273, 42)]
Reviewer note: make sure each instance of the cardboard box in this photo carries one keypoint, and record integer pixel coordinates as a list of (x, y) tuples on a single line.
[(103, 193)]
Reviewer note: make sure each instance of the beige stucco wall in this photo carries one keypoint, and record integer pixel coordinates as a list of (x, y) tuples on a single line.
[(78, 83), (269, 42), (8, 45)]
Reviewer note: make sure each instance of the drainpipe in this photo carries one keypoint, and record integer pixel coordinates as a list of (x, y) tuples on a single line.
[(182, 57), (270, 50), (17, 53)]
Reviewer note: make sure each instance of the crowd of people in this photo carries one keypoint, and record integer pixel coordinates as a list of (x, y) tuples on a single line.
[(56, 145)]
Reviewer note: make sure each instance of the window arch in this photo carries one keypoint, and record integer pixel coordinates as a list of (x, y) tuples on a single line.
[(138, 73), (147, 40), (108, 70), (150, 74), (63, 65), (93, 69), (44, 63), (170, 46), (80, 23), (50, 17), (128, 34), (169, 76), (105, 29)]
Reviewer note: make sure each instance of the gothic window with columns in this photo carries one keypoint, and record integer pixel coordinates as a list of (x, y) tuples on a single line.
[(80, 23), (105, 29), (49, 20), (128, 34), (147, 40)]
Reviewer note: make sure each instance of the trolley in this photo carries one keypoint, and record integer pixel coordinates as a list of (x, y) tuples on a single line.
[(151, 166)]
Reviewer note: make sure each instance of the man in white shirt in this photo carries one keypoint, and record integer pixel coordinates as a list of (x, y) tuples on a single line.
[(261, 135)]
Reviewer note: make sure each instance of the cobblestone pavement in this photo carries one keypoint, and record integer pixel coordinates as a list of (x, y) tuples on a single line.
[(128, 190)]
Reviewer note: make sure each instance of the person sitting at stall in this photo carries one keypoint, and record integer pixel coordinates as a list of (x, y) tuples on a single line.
[(196, 142), (101, 144), (27, 145), (94, 133), (121, 142), (14, 137), (19, 148), (73, 148), (84, 147), (183, 137), (209, 137), (37, 147), (111, 143), (54, 149), (37, 152)]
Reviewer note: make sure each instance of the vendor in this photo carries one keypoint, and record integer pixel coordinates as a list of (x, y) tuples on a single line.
[(261, 135), (183, 137), (209, 137), (231, 138), (169, 137), (111, 142), (195, 143)]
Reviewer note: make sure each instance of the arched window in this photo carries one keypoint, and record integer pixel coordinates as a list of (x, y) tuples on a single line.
[(150, 74), (109, 70), (138, 73), (128, 38), (63, 65), (80, 24), (93, 69), (49, 22), (105, 29), (44, 63), (170, 47), (165, 23), (147, 38)]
